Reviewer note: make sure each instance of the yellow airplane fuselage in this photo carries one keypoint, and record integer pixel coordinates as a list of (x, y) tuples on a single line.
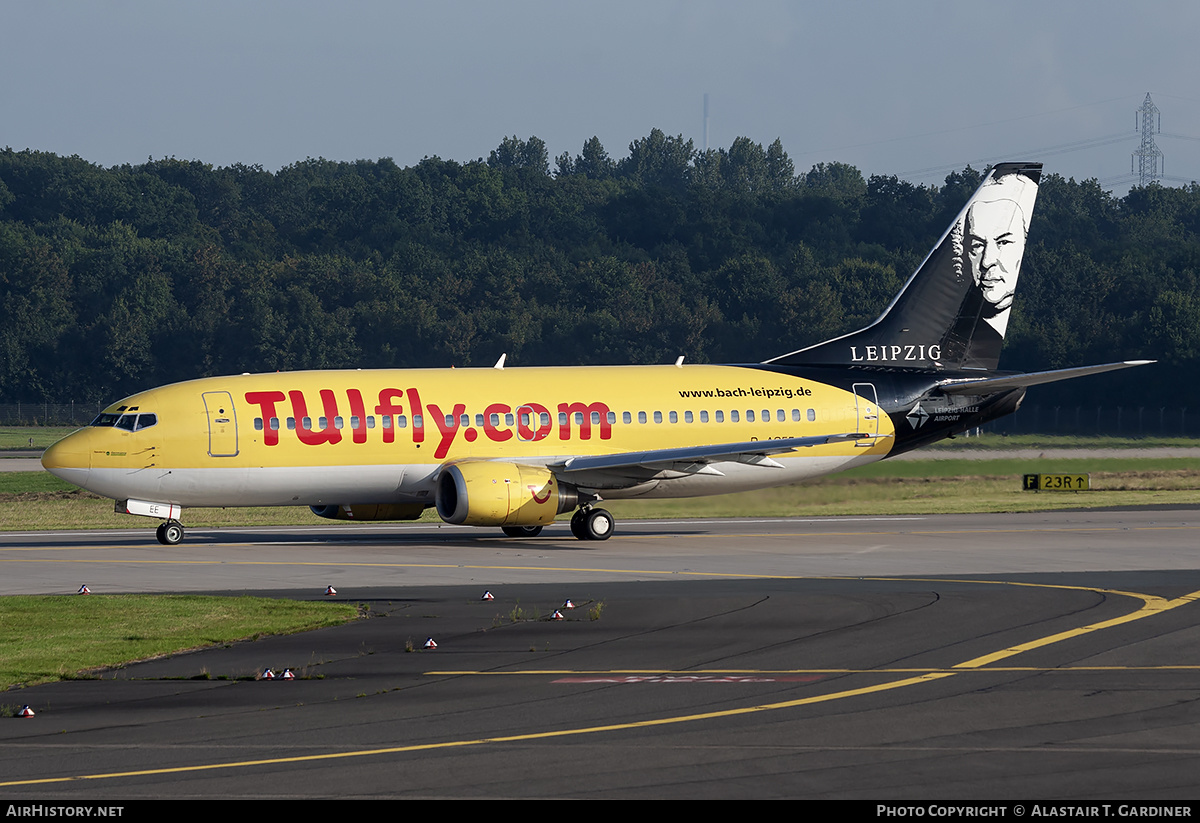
[(381, 436)]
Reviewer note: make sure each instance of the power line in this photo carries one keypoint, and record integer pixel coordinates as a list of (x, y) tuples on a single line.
[(1061, 148)]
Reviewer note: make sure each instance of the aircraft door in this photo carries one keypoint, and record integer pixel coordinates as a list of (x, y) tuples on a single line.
[(866, 404), (222, 424)]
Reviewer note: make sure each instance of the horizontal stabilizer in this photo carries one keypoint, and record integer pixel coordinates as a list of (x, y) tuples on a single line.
[(755, 452), (993, 385)]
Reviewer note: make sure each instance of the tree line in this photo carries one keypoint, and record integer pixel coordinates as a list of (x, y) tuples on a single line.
[(114, 280)]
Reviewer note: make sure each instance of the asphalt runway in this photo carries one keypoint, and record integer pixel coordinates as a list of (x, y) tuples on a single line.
[(1050, 655)]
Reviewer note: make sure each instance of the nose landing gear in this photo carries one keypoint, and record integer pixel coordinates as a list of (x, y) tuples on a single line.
[(170, 533)]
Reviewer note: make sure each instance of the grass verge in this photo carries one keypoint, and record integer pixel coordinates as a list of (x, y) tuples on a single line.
[(15, 438), (65, 637), (36, 501)]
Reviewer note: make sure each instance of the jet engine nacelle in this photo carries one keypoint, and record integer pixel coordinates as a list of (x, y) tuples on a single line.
[(501, 494), (370, 511)]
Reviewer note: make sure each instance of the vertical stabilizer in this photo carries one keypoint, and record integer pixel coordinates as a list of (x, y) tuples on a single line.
[(953, 312)]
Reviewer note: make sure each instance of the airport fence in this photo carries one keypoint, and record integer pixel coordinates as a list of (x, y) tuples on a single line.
[(1110, 421), (48, 414)]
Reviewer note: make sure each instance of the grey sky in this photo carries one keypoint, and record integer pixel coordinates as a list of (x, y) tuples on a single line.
[(911, 88)]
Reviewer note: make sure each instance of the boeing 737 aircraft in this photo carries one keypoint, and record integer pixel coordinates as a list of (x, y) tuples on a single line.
[(514, 447)]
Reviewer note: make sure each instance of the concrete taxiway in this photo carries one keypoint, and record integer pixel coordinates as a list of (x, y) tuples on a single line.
[(995, 656)]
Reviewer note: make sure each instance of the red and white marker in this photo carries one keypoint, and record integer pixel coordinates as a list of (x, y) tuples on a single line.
[(557, 615), (84, 589), (330, 591), (568, 605), (429, 644), (268, 674), (25, 712), (488, 596), (287, 675)]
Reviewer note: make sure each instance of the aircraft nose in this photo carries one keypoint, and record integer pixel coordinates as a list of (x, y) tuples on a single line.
[(69, 459)]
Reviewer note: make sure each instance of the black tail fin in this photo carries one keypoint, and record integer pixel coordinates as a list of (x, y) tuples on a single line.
[(951, 314)]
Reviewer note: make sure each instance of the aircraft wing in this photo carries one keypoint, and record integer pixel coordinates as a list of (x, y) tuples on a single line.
[(696, 459), (992, 385)]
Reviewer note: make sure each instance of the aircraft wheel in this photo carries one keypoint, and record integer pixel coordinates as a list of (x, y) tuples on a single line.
[(577, 527), (521, 531), (170, 533), (598, 524)]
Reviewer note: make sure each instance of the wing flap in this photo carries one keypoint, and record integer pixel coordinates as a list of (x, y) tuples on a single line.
[(696, 459)]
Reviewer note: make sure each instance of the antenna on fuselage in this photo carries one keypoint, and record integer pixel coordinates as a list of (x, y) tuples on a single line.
[(500, 362), (679, 362)]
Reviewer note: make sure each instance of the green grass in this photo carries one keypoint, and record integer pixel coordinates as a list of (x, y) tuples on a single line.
[(31, 501), (1058, 441), (1013, 467), (64, 637), (32, 483), (16, 438)]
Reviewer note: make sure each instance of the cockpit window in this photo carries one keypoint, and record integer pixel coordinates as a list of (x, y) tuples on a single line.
[(127, 421)]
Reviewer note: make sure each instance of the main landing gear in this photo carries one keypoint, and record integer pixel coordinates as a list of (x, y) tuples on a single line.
[(170, 533), (586, 524), (521, 531), (592, 524)]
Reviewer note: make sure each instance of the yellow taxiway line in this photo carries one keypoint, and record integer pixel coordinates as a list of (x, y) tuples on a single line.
[(1151, 605)]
